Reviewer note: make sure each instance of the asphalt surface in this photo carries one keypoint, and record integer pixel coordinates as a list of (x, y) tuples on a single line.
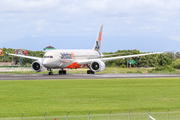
[(80, 76)]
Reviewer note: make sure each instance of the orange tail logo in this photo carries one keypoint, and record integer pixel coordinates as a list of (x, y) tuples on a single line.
[(99, 39)]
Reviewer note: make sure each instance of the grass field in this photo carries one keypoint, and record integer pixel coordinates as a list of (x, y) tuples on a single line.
[(35, 97)]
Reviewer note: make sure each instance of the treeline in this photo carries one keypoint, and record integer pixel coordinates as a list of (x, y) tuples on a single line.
[(156, 60), (169, 58), (24, 61)]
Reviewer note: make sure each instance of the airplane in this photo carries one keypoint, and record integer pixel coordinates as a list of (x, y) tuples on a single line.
[(73, 59)]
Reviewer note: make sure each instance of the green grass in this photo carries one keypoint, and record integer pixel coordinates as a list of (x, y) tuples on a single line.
[(35, 97)]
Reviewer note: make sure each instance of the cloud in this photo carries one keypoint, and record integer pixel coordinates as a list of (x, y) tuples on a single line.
[(27, 5), (40, 24), (98, 6), (175, 38), (33, 35), (147, 28), (83, 17)]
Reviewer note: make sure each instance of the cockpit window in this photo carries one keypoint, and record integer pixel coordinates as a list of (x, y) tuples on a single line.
[(48, 56)]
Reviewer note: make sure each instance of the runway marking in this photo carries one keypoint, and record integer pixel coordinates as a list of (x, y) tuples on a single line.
[(16, 75)]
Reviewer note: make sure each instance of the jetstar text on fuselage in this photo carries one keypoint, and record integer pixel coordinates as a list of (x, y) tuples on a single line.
[(67, 56)]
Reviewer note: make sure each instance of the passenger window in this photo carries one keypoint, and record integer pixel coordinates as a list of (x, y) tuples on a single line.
[(48, 56)]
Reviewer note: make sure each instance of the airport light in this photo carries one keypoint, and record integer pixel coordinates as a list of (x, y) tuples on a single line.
[(129, 114), (45, 114), (148, 113), (22, 115), (109, 115), (167, 113), (67, 115), (88, 114)]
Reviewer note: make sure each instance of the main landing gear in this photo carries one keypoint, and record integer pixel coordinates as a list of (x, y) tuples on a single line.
[(62, 72), (90, 72)]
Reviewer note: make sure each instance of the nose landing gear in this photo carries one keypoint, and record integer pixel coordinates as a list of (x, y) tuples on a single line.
[(50, 71)]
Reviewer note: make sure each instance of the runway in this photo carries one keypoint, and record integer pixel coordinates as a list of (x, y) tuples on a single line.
[(80, 76)]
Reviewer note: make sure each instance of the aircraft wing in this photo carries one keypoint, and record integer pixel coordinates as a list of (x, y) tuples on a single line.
[(24, 56), (112, 54), (128, 56), (113, 58)]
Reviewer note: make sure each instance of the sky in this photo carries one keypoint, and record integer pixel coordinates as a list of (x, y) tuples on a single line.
[(130, 24)]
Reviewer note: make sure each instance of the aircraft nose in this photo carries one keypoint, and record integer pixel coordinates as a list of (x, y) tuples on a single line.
[(46, 63)]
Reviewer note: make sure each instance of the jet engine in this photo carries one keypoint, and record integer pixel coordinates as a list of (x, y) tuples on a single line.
[(37, 66), (97, 66)]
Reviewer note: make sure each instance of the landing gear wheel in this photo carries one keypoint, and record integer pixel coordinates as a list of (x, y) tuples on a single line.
[(50, 73), (60, 72), (90, 72), (64, 72)]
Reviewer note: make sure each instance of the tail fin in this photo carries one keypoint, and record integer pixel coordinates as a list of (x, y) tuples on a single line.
[(97, 44)]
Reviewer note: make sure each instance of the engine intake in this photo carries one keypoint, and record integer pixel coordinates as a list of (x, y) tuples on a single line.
[(97, 66), (37, 66)]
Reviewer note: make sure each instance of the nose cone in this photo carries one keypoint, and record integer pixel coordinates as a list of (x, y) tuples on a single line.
[(47, 63)]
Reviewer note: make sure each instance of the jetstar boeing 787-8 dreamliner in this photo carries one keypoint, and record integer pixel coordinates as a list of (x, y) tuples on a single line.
[(61, 59)]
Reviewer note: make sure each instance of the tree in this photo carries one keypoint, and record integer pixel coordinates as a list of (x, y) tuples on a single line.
[(164, 60), (176, 64)]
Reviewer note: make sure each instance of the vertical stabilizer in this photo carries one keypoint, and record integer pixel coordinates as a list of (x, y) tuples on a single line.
[(97, 44)]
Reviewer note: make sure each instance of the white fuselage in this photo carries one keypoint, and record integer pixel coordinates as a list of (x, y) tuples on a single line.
[(67, 58)]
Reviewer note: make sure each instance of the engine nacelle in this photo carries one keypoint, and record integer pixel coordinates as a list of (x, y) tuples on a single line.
[(97, 65), (37, 66)]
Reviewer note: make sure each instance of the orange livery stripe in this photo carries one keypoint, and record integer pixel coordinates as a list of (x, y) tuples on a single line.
[(74, 65)]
